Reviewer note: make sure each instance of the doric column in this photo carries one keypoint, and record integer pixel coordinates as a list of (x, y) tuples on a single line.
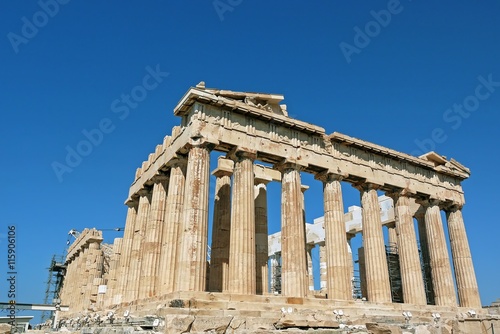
[(171, 230), (293, 240), (409, 259), (242, 237), (133, 281), (338, 266), (468, 293), (68, 287), (261, 235), (323, 274), (442, 280), (82, 278), (310, 274), (76, 286), (349, 236), (219, 259), (392, 235), (124, 265), (376, 271), (95, 266), (424, 249), (67, 294), (309, 271), (192, 255), (114, 267), (362, 272), (153, 238)]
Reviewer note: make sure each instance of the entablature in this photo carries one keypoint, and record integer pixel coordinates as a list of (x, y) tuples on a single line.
[(252, 121)]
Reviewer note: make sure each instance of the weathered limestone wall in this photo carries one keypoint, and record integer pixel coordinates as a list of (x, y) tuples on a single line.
[(85, 271)]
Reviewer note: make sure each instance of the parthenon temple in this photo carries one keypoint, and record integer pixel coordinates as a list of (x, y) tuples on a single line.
[(166, 266)]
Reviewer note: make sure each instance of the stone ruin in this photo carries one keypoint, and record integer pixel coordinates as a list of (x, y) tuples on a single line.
[(159, 276)]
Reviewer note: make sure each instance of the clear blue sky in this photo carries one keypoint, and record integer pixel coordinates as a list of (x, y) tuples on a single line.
[(394, 84)]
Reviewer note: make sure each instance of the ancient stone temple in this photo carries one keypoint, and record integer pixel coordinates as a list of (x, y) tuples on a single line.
[(161, 267)]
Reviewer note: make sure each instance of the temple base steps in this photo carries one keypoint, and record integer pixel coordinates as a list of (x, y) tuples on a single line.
[(192, 312)]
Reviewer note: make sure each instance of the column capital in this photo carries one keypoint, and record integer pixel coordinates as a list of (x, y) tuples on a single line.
[(426, 202), (328, 176), (365, 186), (199, 142), (453, 206), (178, 160), (289, 164), (143, 192), (132, 202), (239, 153), (159, 178), (397, 192)]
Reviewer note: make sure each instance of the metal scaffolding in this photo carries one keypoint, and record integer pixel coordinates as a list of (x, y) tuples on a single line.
[(392, 255), (57, 270)]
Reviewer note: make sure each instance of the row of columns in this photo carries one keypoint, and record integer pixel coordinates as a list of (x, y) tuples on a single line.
[(435, 253), (239, 240), (150, 245), (81, 286), (164, 248)]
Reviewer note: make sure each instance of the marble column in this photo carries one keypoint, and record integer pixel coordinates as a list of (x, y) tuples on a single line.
[(242, 272), (67, 295), (95, 270), (82, 278), (376, 271), (133, 281), (261, 235), (468, 293), (362, 272), (192, 254), (124, 265), (310, 274), (219, 259), (153, 238), (424, 249), (338, 266), (174, 210), (75, 294), (114, 266), (442, 280), (350, 262), (323, 268), (72, 286), (293, 241), (309, 271), (392, 236), (409, 259)]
